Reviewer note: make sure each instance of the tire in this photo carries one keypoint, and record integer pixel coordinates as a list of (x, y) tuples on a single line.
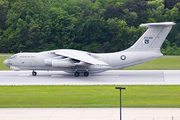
[(76, 74), (34, 73), (86, 74)]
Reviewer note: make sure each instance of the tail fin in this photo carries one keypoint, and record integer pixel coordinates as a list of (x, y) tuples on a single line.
[(153, 38)]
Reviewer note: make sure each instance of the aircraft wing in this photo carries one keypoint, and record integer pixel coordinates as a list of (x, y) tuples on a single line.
[(79, 55)]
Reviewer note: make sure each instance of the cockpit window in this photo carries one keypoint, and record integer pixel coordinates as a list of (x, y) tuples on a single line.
[(12, 57)]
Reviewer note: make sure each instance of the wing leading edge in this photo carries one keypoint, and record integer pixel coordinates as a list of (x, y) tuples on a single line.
[(79, 55)]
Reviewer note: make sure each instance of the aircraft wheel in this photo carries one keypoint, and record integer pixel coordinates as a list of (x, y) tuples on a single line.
[(76, 74), (34, 73), (86, 74)]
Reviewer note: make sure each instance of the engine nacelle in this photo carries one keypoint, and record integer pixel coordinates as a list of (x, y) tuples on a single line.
[(82, 64), (48, 62), (62, 64)]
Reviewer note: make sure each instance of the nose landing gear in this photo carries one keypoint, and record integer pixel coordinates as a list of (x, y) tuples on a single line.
[(34, 73)]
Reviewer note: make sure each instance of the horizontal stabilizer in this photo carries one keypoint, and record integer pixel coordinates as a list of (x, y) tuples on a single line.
[(158, 24)]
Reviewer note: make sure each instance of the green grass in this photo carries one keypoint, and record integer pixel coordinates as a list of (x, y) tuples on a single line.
[(2, 66), (89, 96), (6, 54), (164, 63)]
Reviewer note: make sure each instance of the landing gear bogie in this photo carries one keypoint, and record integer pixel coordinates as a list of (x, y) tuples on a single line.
[(76, 74)]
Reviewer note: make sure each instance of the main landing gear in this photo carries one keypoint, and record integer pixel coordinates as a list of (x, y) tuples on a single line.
[(76, 74), (86, 74), (34, 73)]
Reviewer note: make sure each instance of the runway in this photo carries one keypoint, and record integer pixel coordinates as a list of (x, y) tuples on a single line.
[(89, 114), (112, 77)]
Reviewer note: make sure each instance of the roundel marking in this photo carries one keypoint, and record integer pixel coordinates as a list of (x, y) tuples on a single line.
[(123, 57)]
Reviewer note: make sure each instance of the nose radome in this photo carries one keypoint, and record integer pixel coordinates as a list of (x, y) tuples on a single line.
[(5, 62)]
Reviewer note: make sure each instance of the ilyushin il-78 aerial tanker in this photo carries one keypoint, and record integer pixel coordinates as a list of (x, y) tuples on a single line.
[(77, 62)]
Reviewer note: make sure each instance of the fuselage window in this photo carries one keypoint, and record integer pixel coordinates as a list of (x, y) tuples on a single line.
[(22, 56), (27, 56)]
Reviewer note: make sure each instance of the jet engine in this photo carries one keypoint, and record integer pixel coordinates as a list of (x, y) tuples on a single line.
[(64, 62), (48, 62)]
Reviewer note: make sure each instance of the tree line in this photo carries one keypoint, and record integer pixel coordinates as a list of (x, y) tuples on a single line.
[(90, 25)]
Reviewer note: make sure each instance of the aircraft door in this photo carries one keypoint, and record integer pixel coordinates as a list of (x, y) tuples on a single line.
[(33, 63)]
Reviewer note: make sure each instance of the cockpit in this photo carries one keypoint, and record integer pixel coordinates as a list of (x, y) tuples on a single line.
[(11, 63), (12, 57), (8, 62)]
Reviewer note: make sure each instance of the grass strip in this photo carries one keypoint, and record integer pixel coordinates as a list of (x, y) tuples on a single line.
[(2, 66), (164, 63), (143, 96), (6, 54)]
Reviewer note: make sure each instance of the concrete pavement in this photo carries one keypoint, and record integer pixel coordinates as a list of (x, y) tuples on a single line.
[(89, 114)]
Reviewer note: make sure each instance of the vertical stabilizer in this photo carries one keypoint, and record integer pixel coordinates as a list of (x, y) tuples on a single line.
[(153, 38)]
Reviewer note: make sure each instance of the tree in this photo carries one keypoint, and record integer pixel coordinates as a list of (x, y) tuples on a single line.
[(170, 3), (93, 31), (92, 25), (156, 10), (22, 20), (130, 17), (53, 25), (119, 31), (113, 11), (4, 6), (138, 7)]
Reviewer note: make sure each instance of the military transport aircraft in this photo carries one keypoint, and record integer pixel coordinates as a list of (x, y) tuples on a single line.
[(80, 62)]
